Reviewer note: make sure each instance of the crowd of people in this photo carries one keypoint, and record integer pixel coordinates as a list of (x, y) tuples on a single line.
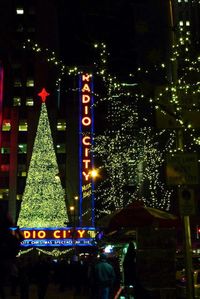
[(93, 277), (96, 277)]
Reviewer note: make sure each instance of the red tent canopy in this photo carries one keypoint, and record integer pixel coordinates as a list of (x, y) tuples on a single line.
[(137, 215)]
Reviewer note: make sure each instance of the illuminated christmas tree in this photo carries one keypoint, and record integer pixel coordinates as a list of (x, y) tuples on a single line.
[(43, 201)]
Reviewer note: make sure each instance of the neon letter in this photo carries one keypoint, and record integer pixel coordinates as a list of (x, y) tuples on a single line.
[(86, 162), (27, 234), (41, 234), (86, 152), (86, 140), (85, 98), (86, 87), (86, 77), (86, 110), (55, 234), (81, 232), (86, 175), (86, 121)]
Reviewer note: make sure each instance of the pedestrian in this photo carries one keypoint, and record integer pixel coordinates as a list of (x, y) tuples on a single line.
[(42, 277), (14, 277), (2, 279), (24, 278), (129, 266), (104, 276)]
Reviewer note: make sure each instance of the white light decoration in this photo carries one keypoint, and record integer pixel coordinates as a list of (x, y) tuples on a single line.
[(144, 148)]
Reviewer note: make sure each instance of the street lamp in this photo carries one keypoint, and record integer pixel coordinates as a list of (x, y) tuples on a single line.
[(72, 210), (94, 173)]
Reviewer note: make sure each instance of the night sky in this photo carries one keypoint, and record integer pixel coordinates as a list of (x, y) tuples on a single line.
[(135, 31)]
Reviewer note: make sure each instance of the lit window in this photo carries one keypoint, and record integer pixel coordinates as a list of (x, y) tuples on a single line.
[(181, 23), (16, 101), (5, 167), (29, 102), (61, 148), (5, 150), (19, 196), (23, 125), (187, 23), (17, 83), (61, 125), (20, 11), (4, 193), (21, 170), (6, 125), (22, 148), (30, 83)]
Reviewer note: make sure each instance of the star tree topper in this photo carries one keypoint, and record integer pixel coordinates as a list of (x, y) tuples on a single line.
[(43, 94)]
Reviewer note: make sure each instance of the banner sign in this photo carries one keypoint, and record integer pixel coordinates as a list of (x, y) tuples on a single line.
[(69, 236)]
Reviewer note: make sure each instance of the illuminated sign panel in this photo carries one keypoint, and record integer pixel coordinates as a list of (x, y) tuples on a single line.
[(86, 131), (39, 237)]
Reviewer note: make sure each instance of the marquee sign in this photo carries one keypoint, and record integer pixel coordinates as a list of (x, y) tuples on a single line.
[(69, 236), (86, 131)]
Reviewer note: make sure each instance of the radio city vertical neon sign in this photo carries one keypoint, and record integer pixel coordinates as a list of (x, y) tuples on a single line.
[(86, 131)]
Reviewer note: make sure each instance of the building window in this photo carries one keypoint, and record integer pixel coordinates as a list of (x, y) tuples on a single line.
[(22, 148), (31, 10), (5, 167), (19, 196), (21, 170), (19, 11), (29, 102), (4, 193), (31, 29), (5, 150), (181, 23), (6, 126), (61, 125), (20, 28), (187, 23), (17, 83), (16, 66), (16, 101), (23, 126), (60, 148), (30, 83)]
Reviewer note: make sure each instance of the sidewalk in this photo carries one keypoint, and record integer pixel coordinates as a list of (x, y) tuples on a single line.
[(52, 293)]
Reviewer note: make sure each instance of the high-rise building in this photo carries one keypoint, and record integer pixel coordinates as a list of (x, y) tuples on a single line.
[(23, 73)]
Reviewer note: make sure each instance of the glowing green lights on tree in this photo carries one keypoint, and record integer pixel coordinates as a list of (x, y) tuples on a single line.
[(43, 201)]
